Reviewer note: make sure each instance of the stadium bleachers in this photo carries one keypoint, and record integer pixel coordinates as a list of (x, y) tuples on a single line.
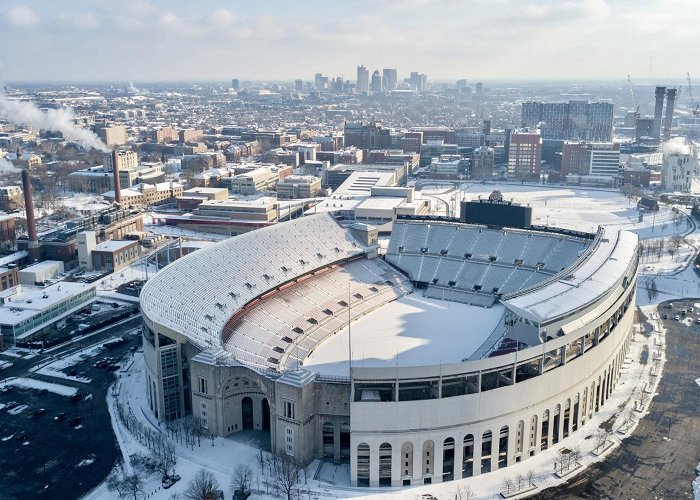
[(476, 259), (247, 266), (280, 331)]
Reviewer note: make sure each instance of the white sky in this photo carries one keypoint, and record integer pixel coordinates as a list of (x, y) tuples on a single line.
[(146, 40)]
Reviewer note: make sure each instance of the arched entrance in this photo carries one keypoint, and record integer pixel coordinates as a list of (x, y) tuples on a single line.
[(265, 415), (247, 413)]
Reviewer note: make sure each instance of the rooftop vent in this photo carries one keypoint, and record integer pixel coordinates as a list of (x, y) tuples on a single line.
[(296, 329), (467, 255), (287, 340)]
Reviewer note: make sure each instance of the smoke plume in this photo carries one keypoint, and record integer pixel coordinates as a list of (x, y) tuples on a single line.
[(676, 146), (6, 167), (57, 120)]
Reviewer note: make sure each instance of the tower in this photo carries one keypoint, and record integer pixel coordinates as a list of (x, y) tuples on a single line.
[(668, 119), (362, 79), (658, 111)]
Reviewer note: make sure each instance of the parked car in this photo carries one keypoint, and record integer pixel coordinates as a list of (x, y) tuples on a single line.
[(39, 412), (60, 417)]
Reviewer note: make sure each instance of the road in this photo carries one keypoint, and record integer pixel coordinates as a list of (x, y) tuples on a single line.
[(70, 461), (659, 459)]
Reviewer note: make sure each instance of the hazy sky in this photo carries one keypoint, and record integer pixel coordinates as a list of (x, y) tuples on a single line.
[(144, 40)]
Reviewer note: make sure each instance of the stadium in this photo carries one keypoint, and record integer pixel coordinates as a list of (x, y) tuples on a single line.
[(458, 349)]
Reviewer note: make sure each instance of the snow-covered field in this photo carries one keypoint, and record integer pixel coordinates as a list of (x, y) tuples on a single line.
[(30, 383)]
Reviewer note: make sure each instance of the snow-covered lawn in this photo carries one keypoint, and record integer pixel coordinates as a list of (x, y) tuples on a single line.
[(30, 383)]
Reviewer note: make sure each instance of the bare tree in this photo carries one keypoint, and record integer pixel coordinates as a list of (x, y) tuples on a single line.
[(242, 477), (600, 438), (643, 399), (284, 475), (508, 485), (463, 492), (133, 485), (576, 456), (202, 487), (520, 479), (163, 455), (114, 483), (530, 477)]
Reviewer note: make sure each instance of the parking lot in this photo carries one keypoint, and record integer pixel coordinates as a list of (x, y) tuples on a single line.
[(660, 458), (42, 456)]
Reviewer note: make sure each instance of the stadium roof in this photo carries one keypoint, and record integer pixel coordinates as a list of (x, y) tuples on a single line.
[(594, 276)]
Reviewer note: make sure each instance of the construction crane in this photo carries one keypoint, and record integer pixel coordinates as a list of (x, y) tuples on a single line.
[(693, 106), (634, 99)]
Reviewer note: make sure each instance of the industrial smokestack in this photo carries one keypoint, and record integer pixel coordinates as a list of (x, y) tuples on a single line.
[(668, 119), (29, 206), (658, 111), (117, 186)]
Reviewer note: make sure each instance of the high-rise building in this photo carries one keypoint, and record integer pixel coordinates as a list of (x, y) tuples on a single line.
[(298, 85), (389, 79), (555, 119), (575, 120), (578, 119), (236, 84), (462, 84), (318, 80), (479, 87), (644, 127), (599, 122), (590, 158), (678, 169), (530, 114), (525, 154), (376, 85), (362, 80), (659, 94), (668, 119), (418, 81)]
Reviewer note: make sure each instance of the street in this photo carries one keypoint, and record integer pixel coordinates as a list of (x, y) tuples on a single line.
[(659, 459), (41, 457)]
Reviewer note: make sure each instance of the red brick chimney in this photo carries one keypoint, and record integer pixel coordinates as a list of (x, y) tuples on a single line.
[(33, 247), (117, 186)]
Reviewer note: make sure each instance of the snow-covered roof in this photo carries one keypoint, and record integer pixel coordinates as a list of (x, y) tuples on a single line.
[(199, 293), (114, 245), (604, 264)]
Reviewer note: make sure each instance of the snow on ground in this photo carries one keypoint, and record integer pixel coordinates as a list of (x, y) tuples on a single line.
[(55, 368), (85, 202), (226, 453), (577, 208), (30, 383), (394, 336), (5, 364), (17, 409)]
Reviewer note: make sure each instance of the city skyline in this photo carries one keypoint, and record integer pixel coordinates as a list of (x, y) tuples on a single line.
[(152, 40)]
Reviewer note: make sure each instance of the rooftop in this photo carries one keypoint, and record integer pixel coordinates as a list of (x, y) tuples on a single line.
[(114, 245)]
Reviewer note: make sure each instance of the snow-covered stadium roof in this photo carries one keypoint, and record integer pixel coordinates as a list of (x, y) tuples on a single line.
[(605, 263), (198, 294)]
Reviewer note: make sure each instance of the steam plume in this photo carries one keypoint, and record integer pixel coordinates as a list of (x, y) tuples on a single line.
[(676, 146), (59, 120), (6, 167)]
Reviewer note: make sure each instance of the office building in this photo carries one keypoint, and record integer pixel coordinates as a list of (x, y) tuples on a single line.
[(389, 79), (524, 155), (376, 85), (362, 80)]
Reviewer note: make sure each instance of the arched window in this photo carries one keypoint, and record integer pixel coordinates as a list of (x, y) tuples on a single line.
[(363, 464), (385, 464), (448, 459)]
